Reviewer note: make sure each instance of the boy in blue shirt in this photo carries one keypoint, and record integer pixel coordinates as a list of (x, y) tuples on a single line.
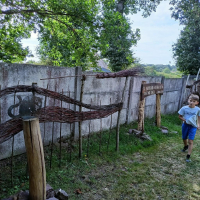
[(189, 115)]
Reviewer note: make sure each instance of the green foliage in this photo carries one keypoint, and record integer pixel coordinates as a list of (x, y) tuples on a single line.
[(186, 50), (11, 49), (166, 70), (118, 34), (150, 71), (72, 32)]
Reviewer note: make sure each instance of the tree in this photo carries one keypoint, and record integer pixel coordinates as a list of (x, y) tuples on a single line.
[(122, 38), (186, 50), (73, 32)]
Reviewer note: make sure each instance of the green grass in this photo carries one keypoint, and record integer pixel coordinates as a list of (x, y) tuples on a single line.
[(141, 170)]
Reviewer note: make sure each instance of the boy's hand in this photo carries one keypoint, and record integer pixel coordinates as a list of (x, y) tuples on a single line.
[(198, 127)]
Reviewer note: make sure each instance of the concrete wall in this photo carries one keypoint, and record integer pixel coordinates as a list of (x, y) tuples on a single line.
[(23, 74), (95, 92)]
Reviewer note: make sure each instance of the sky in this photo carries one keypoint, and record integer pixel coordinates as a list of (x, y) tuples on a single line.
[(158, 33)]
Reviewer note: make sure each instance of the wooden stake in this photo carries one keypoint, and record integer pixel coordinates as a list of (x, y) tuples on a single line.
[(118, 117), (88, 143), (141, 113), (158, 116), (52, 135), (60, 136), (110, 129), (100, 133), (35, 156), (45, 104), (13, 142), (80, 109), (70, 145), (0, 107)]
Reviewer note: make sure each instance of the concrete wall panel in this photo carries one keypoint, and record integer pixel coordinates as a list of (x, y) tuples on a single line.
[(108, 91)]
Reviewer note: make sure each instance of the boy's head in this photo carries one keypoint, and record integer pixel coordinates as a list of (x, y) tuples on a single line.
[(193, 100)]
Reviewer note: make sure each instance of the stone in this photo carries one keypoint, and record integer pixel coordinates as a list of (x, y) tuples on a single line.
[(9, 198), (130, 131), (139, 134), (24, 195), (165, 131), (135, 131), (145, 137), (164, 127), (175, 132), (49, 191), (61, 195)]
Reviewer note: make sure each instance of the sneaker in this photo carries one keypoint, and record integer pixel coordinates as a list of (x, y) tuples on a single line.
[(188, 158), (185, 148)]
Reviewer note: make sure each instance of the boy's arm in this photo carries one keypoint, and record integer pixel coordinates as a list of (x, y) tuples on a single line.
[(181, 118), (198, 122)]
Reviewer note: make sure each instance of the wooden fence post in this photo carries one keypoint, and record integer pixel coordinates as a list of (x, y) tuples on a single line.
[(158, 116), (141, 112), (35, 156)]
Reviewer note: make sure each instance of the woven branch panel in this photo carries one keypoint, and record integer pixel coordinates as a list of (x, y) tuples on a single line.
[(55, 95), (132, 72), (54, 113)]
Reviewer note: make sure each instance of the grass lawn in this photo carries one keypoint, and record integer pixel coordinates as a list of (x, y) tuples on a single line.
[(141, 170)]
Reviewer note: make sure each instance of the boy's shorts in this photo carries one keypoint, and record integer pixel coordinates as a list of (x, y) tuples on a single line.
[(188, 131)]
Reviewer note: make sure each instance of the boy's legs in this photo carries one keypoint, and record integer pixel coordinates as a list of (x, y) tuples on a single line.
[(185, 131), (191, 136), (190, 143), (185, 142)]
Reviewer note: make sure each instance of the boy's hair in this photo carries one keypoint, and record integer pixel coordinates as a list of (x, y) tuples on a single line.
[(194, 97)]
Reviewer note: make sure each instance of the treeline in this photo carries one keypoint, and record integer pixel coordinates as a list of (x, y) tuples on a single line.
[(169, 71)]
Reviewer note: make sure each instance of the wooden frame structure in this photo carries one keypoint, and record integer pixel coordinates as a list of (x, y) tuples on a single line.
[(147, 90)]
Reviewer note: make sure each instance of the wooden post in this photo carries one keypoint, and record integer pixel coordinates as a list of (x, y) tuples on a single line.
[(119, 114), (141, 113), (80, 110), (35, 156), (158, 116), (0, 106)]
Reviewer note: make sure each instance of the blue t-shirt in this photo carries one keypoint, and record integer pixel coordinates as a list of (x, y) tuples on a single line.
[(188, 112)]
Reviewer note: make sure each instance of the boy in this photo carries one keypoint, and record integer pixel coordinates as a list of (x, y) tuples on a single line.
[(188, 114)]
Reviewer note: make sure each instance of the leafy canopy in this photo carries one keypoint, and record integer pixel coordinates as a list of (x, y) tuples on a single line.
[(186, 50), (71, 32)]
